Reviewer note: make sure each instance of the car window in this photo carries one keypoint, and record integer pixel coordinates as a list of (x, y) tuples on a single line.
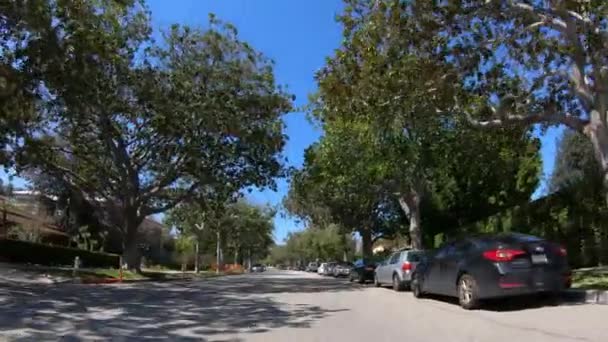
[(445, 251), (394, 258), (415, 256), (464, 248)]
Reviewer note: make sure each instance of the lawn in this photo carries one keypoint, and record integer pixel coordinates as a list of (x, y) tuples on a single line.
[(591, 278)]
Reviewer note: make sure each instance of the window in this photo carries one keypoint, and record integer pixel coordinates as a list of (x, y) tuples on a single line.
[(445, 251), (464, 248), (415, 256), (394, 258)]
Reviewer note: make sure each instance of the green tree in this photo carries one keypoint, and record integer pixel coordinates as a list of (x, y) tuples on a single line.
[(395, 133), (240, 228), (108, 130), (575, 165), (525, 62)]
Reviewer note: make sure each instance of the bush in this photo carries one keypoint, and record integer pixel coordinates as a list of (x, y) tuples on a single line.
[(35, 253)]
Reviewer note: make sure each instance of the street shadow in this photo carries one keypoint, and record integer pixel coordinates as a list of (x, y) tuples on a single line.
[(515, 303), (213, 310)]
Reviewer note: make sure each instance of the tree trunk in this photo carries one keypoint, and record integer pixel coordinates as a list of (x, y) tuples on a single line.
[(249, 259), (366, 245), (218, 252), (410, 204), (131, 252), (597, 132), (196, 257)]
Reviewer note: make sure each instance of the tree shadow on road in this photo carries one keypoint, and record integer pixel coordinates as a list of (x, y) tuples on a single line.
[(188, 311)]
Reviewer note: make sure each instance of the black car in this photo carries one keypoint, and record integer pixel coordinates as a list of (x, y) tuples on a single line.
[(482, 267), (362, 271)]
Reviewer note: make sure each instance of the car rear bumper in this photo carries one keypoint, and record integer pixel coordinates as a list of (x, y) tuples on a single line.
[(527, 282)]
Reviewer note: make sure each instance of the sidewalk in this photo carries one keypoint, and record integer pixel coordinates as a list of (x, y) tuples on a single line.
[(17, 274), (14, 274), (586, 296)]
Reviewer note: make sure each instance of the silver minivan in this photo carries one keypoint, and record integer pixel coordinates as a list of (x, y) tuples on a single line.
[(397, 269)]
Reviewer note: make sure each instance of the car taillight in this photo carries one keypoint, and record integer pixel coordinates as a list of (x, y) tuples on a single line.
[(561, 250), (406, 266), (502, 254)]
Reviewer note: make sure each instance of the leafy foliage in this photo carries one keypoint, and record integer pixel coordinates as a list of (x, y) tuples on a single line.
[(245, 229), (391, 138), (93, 88), (312, 245)]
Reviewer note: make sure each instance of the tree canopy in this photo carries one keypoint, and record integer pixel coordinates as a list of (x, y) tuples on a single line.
[(138, 126), (246, 230), (392, 138)]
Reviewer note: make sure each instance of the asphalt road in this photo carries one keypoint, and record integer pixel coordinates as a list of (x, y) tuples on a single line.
[(278, 306)]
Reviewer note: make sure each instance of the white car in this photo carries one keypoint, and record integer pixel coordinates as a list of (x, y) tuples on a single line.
[(322, 267), (312, 267)]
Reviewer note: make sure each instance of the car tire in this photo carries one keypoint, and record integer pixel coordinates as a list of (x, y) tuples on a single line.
[(468, 296), (551, 299), (361, 279), (416, 286), (397, 284), (376, 282), (350, 278)]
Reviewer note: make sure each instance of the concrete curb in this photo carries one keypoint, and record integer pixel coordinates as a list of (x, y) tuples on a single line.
[(586, 296)]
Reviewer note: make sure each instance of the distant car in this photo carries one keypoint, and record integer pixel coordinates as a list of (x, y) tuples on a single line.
[(322, 268), (312, 267), (258, 268), (362, 270), (329, 269), (342, 269), (493, 266), (397, 269)]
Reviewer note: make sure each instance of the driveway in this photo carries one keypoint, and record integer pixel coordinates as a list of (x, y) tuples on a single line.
[(277, 306)]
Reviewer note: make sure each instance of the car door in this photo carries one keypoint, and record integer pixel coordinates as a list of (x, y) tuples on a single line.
[(392, 264), (432, 281), (379, 268), (450, 266), (383, 269)]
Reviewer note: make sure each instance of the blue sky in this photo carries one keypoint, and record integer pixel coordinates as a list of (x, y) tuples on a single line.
[(297, 35)]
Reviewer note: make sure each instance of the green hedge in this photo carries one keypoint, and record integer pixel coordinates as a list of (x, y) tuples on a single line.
[(35, 253)]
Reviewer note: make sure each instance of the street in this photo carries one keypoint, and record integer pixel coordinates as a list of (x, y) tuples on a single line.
[(277, 306)]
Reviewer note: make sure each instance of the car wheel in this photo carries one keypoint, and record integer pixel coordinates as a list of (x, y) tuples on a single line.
[(350, 278), (397, 284), (376, 282), (416, 286), (468, 297), (361, 279)]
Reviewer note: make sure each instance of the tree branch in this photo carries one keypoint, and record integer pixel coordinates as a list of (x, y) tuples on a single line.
[(567, 119)]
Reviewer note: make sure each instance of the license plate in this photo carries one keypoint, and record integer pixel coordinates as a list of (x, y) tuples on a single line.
[(369, 268), (539, 259)]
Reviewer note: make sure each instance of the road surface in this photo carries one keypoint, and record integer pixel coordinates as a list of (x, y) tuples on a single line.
[(277, 306)]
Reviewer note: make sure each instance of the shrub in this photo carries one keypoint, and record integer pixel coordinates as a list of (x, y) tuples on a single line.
[(36, 253)]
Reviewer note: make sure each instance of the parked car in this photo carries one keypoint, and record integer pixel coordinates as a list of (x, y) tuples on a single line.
[(342, 269), (258, 268), (322, 268), (493, 266), (397, 269), (363, 270), (329, 269), (312, 267)]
